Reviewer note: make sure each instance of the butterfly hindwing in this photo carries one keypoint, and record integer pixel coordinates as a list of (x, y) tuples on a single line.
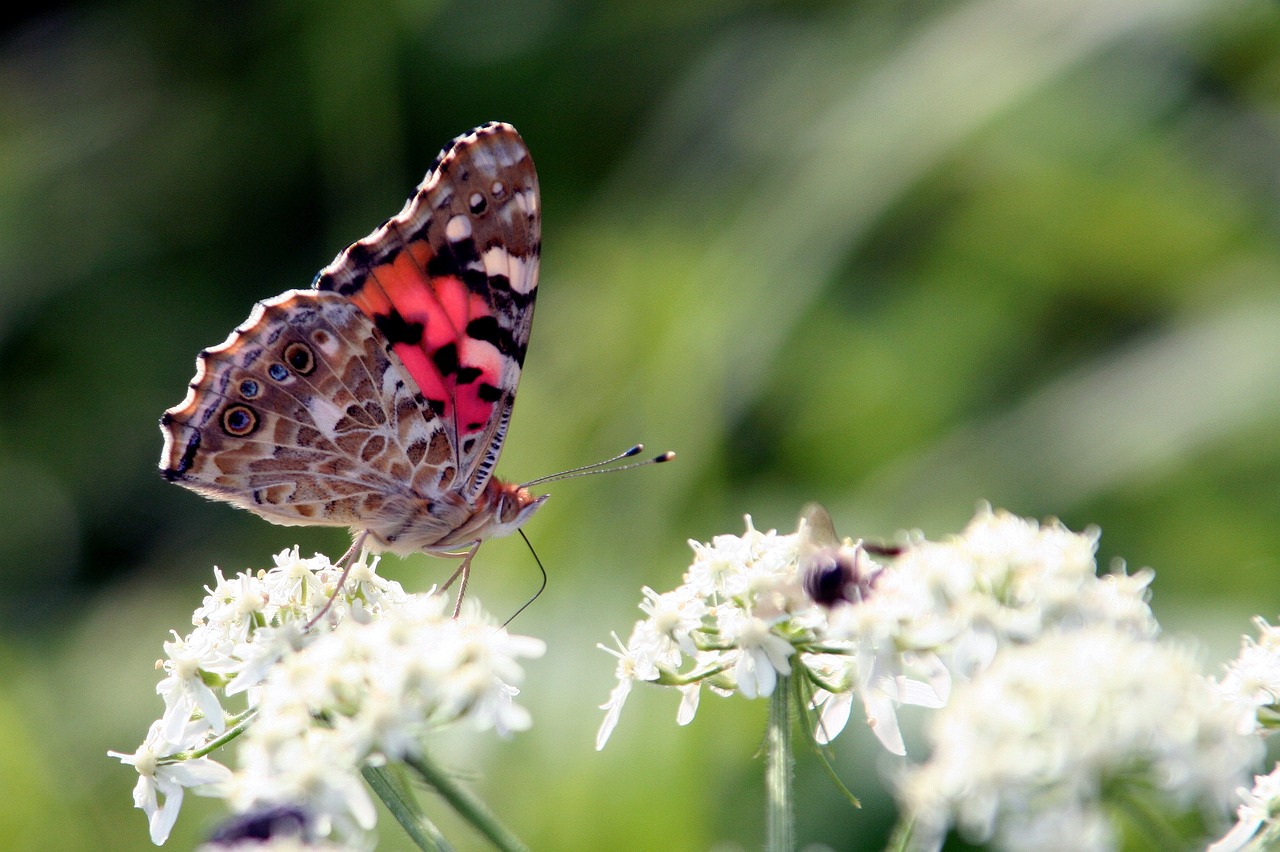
[(303, 417), (450, 283)]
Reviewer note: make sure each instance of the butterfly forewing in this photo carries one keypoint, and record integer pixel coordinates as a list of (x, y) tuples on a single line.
[(450, 282)]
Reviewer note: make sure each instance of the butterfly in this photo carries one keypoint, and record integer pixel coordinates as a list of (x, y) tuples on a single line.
[(379, 399)]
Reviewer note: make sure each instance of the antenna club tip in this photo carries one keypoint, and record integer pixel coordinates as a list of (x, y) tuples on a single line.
[(634, 451), (665, 457)]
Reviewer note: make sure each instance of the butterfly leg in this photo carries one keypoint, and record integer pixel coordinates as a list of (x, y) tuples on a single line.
[(464, 571), (348, 559)]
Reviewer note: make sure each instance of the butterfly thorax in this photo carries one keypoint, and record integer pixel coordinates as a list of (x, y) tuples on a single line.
[(499, 510)]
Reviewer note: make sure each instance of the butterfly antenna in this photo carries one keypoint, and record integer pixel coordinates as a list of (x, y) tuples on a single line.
[(541, 588), (602, 466)]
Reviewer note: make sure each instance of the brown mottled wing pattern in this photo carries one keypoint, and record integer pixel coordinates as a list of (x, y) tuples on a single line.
[(303, 417), (450, 283)]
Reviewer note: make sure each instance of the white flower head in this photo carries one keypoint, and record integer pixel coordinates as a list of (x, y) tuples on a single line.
[(885, 625), (753, 609), (1251, 683), (318, 704), (1019, 754)]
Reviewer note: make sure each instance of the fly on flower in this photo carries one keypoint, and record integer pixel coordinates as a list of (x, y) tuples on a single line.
[(834, 571), (757, 609)]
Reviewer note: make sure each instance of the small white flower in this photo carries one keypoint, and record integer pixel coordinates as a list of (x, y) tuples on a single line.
[(762, 654), (742, 619), (184, 690), (159, 779)]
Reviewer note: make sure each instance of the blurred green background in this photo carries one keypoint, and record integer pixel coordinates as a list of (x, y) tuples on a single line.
[(894, 256)]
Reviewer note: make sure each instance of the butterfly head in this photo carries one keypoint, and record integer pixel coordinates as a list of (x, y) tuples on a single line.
[(512, 505)]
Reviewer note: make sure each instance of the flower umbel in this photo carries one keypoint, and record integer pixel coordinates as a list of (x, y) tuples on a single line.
[(382, 671), (1250, 686), (887, 626), (742, 619), (1028, 760)]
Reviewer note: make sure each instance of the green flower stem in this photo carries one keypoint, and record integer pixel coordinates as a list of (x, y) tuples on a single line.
[(468, 806), (901, 839), (779, 773), (1136, 807), (240, 724), (399, 799)]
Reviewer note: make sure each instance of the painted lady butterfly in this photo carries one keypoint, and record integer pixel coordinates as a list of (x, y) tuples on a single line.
[(379, 399)]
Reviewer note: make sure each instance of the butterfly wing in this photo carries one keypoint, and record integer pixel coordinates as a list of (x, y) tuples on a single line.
[(304, 417), (450, 283)]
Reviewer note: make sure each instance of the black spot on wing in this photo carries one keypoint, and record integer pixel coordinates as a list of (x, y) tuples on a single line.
[(505, 298), (188, 453), (488, 330), (446, 359), (454, 260), (460, 260), (397, 329), (360, 255)]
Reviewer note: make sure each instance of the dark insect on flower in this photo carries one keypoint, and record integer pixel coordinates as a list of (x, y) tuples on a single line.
[(833, 570), (265, 823), (831, 577)]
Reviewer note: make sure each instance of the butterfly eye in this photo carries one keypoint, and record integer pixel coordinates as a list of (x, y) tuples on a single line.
[(239, 420), (300, 357), (249, 389)]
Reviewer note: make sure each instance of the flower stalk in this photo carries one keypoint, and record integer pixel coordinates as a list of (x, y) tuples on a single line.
[(780, 772), (390, 787), (467, 804)]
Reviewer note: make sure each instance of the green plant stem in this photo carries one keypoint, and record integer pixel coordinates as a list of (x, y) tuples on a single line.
[(391, 788), (466, 803), (779, 773)]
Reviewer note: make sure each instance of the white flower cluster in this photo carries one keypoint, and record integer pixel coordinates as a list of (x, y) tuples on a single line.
[(1038, 751), (382, 669), (1251, 687), (1257, 825), (736, 623), (1251, 682), (750, 609)]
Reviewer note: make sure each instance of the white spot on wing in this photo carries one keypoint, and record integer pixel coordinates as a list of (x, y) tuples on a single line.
[(527, 201), (325, 414), (327, 343), (458, 228), (519, 271)]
